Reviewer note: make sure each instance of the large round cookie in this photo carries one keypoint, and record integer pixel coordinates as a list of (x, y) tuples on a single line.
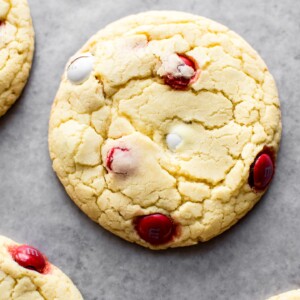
[(26, 274), (165, 128), (291, 295), (16, 50)]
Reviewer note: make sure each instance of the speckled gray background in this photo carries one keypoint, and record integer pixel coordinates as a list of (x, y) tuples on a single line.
[(255, 259)]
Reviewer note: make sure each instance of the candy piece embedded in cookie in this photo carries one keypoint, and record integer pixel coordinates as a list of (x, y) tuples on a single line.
[(26, 273), (178, 71), (119, 160), (156, 229), (29, 257), (262, 170), (16, 47), (165, 128), (80, 68)]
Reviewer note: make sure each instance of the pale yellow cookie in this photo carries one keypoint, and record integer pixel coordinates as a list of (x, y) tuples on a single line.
[(165, 128), (16, 50), (25, 274), (291, 295)]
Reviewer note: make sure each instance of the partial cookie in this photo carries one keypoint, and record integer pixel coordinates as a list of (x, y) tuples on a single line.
[(16, 50), (25, 273), (165, 129), (292, 295)]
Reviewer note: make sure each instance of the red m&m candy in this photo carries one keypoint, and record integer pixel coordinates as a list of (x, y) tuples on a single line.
[(29, 258), (262, 172), (187, 61), (111, 155), (155, 229), (180, 82), (120, 160)]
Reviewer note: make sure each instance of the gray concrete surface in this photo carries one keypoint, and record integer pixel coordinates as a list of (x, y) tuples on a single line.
[(255, 259)]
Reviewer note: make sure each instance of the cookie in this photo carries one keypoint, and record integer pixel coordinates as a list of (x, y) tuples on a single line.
[(16, 50), (165, 129), (291, 295), (25, 273)]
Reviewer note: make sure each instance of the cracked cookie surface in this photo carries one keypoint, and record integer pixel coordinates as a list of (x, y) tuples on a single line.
[(291, 295), (19, 283), (16, 50), (165, 114)]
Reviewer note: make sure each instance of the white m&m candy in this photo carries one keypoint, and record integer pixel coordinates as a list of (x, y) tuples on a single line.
[(173, 141), (80, 68)]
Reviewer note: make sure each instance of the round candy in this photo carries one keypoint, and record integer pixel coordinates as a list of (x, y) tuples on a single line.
[(119, 160), (173, 141), (181, 77), (80, 68), (155, 229), (263, 171), (29, 258)]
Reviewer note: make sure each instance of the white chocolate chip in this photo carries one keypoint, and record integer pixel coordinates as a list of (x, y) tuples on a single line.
[(173, 141), (173, 65), (80, 68)]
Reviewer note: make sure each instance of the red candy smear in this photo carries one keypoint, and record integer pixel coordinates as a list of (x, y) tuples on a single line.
[(155, 229), (262, 172), (111, 154), (180, 83), (29, 257)]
